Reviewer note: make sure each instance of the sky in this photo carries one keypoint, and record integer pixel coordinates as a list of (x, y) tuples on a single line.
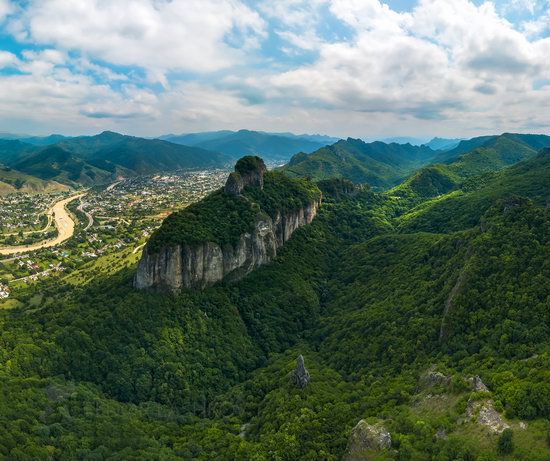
[(360, 68)]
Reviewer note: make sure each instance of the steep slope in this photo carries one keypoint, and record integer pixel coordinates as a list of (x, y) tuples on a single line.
[(464, 208), (230, 232), (12, 181), (378, 164), (431, 336)]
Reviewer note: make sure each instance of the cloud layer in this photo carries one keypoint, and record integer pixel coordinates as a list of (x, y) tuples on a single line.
[(345, 67)]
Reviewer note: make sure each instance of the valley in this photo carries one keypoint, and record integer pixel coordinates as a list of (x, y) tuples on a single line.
[(264, 317), (64, 226), (74, 231)]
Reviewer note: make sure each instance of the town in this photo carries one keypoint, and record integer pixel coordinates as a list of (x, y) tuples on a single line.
[(108, 220)]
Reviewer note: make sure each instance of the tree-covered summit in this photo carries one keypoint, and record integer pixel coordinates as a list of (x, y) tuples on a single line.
[(223, 216)]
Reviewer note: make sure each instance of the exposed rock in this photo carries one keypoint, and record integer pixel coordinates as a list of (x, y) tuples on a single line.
[(300, 377), (249, 172), (522, 425), (432, 378), (366, 441), (198, 266), (244, 430), (234, 184), (477, 385), (485, 414)]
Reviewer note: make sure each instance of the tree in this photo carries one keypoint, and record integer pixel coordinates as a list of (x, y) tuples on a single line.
[(505, 444)]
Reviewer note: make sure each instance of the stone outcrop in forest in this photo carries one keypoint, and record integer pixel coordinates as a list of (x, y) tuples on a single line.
[(177, 259)]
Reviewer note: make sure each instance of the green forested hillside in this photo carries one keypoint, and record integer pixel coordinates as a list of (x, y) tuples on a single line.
[(55, 163), (101, 158), (12, 181), (378, 164), (385, 165), (377, 293), (222, 218)]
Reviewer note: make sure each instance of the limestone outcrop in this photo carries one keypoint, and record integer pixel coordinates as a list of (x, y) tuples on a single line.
[(171, 267), (300, 376), (366, 441)]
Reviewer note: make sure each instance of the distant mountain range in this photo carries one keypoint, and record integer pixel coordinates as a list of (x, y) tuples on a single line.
[(384, 165), (106, 156), (270, 146), (101, 158), (443, 143), (379, 164)]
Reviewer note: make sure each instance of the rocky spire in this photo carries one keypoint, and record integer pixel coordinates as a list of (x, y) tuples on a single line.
[(249, 172), (300, 377)]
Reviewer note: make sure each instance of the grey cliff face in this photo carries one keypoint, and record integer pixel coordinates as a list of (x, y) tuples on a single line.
[(199, 266), (300, 376)]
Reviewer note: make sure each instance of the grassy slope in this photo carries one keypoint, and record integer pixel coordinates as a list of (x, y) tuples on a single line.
[(12, 181)]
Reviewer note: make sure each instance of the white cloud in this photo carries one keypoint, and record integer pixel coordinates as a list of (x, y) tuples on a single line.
[(7, 59), (445, 59), (157, 35), (446, 65), (5, 9)]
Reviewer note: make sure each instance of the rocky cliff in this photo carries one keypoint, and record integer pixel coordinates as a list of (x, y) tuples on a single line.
[(176, 265)]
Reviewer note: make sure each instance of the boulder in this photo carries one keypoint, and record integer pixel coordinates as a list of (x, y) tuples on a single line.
[(477, 384), (366, 441), (432, 378), (485, 414), (300, 376)]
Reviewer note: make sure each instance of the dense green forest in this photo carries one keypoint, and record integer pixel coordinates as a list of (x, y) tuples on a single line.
[(395, 299)]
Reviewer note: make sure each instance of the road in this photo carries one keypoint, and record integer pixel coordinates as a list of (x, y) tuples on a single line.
[(88, 215), (63, 222)]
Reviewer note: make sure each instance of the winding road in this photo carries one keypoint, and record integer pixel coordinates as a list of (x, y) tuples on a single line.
[(63, 222)]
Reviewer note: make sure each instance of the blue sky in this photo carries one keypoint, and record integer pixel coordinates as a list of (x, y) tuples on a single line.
[(342, 67)]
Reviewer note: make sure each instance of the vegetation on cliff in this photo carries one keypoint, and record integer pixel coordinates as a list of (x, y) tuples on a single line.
[(222, 217), (374, 293)]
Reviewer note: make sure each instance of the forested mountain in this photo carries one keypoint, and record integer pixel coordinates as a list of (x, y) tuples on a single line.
[(271, 146), (43, 140), (383, 165), (379, 164), (424, 314), (56, 163), (12, 150), (101, 158), (12, 181), (506, 144)]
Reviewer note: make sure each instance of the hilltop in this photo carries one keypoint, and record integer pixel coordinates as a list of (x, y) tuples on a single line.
[(379, 164)]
